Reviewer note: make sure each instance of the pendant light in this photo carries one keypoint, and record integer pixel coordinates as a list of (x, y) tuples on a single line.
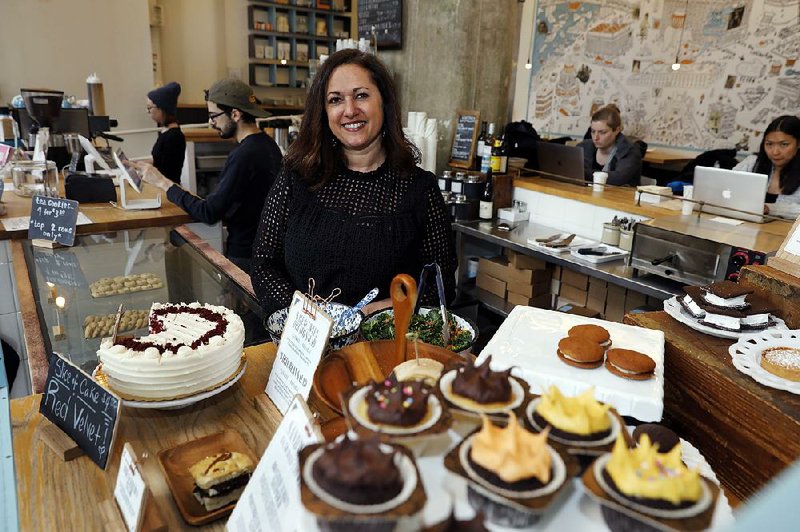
[(677, 64)]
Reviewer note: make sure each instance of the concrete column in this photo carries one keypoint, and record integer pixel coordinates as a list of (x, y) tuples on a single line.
[(457, 54)]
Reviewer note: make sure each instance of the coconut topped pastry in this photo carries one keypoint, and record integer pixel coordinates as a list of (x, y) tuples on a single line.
[(581, 415), (513, 453), (426, 370), (644, 473), (481, 384)]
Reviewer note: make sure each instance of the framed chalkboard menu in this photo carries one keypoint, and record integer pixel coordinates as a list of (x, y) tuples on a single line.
[(385, 18), (465, 139)]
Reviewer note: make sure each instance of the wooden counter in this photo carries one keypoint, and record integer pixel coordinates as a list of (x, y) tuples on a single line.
[(657, 155), (104, 216), (748, 432), (56, 495), (766, 237)]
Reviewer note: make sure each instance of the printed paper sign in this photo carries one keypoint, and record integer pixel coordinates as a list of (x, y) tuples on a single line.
[(130, 491), (271, 499), (303, 341)]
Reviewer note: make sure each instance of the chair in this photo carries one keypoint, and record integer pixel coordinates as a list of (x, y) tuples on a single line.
[(720, 158)]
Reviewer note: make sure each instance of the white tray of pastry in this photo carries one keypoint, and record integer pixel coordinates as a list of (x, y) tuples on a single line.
[(746, 357), (448, 492), (674, 309), (528, 340)]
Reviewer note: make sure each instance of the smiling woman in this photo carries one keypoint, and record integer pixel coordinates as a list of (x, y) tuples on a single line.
[(350, 209)]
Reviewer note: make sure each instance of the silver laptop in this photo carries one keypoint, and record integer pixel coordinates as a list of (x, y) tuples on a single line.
[(557, 160), (731, 189)]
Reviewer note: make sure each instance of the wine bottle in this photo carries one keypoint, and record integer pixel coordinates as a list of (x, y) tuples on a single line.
[(486, 205), (486, 161)]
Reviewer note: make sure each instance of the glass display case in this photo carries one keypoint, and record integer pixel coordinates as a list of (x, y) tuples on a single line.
[(79, 289)]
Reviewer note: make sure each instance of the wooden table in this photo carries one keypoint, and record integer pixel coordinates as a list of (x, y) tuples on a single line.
[(748, 433), (56, 495), (656, 155), (104, 216)]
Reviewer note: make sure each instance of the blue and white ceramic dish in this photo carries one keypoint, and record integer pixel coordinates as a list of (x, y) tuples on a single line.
[(343, 334)]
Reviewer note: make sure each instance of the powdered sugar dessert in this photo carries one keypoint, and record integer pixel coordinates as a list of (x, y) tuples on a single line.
[(189, 348)]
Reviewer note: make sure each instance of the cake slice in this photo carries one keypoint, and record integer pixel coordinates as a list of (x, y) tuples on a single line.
[(691, 302), (220, 479), (727, 294)]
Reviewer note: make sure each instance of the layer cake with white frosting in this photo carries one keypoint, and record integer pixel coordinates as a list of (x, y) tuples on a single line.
[(189, 348)]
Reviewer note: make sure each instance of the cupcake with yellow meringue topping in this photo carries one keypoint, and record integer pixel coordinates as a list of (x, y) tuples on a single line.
[(582, 423), (651, 487), (513, 474)]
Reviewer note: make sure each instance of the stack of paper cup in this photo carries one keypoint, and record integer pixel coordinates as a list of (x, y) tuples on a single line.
[(687, 206), (598, 181)]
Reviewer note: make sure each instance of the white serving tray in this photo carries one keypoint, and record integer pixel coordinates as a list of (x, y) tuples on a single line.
[(597, 259), (528, 339), (577, 242), (676, 311), (746, 357)]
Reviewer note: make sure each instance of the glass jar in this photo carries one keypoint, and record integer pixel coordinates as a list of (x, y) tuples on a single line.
[(473, 186), (444, 180), (457, 185), (35, 178)]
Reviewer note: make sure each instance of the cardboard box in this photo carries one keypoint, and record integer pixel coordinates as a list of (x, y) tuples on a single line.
[(526, 262), (541, 301), (615, 303), (597, 295), (515, 275), (529, 290), (580, 311), (575, 295), (497, 267), (634, 300), (573, 278), (491, 284)]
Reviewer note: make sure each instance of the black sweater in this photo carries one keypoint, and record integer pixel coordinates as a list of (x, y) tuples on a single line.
[(168, 153), (244, 182), (356, 233)]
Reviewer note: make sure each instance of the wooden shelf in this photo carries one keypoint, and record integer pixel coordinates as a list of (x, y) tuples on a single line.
[(277, 62), (314, 10), (279, 34)]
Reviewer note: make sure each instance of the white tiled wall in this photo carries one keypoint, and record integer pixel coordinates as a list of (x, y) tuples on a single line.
[(10, 320), (583, 219)]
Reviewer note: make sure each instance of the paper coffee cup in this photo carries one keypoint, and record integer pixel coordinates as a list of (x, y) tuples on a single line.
[(599, 179), (687, 206)]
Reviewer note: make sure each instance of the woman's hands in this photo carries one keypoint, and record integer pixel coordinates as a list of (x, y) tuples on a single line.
[(150, 174)]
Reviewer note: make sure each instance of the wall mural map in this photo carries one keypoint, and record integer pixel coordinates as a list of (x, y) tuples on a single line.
[(739, 68)]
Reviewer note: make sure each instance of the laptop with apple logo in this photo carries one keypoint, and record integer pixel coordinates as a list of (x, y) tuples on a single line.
[(731, 193)]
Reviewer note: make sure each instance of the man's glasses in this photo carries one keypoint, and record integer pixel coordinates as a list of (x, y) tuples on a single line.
[(214, 116)]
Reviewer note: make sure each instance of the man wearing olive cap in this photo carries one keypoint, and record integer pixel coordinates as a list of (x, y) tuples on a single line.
[(245, 179)]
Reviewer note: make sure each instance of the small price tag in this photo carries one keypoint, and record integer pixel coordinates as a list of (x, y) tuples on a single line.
[(271, 499), (130, 492), (303, 341)]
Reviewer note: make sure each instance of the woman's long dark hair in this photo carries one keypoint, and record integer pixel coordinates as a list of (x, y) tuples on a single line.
[(314, 156), (790, 174)]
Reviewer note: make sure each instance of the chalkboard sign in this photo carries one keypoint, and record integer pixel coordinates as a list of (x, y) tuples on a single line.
[(60, 267), (53, 219), (83, 409), (465, 139), (385, 19)]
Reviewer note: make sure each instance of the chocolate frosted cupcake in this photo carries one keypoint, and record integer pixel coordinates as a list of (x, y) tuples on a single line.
[(513, 475), (360, 485), (405, 412), (451, 524), (643, 489), (476, 389)]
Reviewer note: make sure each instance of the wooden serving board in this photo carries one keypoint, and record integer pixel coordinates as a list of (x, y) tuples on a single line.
[(175, 464)]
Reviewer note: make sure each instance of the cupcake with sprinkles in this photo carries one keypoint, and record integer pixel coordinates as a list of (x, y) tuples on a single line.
[(406, 412)]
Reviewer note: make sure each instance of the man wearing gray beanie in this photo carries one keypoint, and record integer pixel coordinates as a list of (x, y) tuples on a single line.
[(170, 148)]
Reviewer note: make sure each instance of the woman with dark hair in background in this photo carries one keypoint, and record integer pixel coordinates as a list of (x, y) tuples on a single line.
[(170, 148), (779, 158), (610, 151), (351, 208)]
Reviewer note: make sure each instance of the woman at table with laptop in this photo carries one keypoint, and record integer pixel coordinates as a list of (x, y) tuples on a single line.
[(608, 150), (779, 158)]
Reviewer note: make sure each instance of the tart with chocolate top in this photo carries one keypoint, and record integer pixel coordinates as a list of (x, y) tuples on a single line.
[(396, 408), (476, 388)]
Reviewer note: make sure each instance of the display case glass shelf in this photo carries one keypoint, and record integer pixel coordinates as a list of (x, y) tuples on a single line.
[(62, 280)]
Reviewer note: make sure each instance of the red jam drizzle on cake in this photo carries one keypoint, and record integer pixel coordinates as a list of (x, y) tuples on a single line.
[(157, 326)]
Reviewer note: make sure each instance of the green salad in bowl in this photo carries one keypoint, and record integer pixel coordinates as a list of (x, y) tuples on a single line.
[(428, 324)]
